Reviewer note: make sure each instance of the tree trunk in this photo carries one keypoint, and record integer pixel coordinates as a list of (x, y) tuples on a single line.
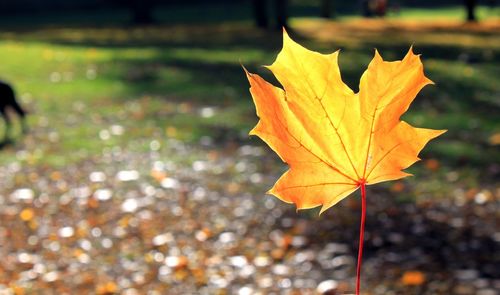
[(470, 5), (326, 8), (260, 13), (365, 8), (142, 11), (281, 13)]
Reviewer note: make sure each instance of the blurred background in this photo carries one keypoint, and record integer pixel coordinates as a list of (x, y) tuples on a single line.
[(137, 175)]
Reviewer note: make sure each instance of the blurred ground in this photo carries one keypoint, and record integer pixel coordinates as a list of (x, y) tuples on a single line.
[(137, 174)]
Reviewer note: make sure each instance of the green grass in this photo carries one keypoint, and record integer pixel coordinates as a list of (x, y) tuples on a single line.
[(445, 13), (157, 82)]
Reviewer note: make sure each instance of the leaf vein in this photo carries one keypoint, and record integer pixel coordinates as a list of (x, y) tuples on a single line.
[(320, 100), (308, 149), (318, 184)]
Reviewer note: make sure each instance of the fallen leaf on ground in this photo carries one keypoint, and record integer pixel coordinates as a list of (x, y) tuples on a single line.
[(413, 278)]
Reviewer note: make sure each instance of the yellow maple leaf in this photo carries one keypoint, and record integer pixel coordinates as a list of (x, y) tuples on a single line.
[(335, 140)]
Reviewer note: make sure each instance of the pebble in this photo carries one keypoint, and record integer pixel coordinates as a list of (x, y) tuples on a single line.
[(127, 175), (130, 205), (66, 232), (327, 286), (103, 194), (22, 194), (97, 176)]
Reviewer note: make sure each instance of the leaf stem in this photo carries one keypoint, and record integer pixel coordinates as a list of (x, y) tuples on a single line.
[(361, 236)]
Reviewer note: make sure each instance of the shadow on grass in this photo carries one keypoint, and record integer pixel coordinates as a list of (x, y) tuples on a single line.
[(201, 64), (5, 143)]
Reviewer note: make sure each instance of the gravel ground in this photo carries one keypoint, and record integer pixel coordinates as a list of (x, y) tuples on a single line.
[(185, 219)]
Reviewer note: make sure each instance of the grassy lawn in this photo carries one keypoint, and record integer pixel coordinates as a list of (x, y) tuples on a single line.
[(456, 13), (91, 88)]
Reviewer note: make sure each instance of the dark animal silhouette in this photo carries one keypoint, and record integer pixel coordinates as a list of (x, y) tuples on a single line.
[(8, 100)]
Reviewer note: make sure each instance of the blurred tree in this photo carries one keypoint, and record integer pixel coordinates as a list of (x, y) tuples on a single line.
[(470, 6), (326, 8), (260, 10), (142, 11), (281, 13), (260, 13), (366, 9)]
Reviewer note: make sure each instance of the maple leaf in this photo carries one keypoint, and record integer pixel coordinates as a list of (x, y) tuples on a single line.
[(335, 140)]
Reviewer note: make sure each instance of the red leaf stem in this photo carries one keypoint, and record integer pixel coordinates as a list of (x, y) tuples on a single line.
[(361, 236)]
